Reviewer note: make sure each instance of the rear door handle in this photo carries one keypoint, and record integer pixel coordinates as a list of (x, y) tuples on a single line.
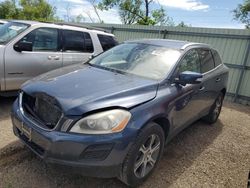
[(217, 80), (56, 58), (12, 73), (202, 88)]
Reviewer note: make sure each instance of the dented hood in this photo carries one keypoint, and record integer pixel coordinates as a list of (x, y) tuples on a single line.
[(82, 88)]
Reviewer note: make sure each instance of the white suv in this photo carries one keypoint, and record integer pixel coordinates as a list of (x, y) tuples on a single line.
[(29, 48)]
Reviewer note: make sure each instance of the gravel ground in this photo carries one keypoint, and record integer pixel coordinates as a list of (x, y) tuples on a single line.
[(200, 156)]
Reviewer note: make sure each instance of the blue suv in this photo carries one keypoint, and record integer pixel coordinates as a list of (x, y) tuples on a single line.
[(112, 116)]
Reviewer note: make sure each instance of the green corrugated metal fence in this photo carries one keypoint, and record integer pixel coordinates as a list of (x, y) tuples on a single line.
[(232, 44)]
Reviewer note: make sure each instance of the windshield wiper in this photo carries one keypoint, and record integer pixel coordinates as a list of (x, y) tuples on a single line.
[(108, 69)]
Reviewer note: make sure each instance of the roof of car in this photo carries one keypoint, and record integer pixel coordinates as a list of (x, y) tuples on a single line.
[(26, 21), (175, 44), (3, 21), (63, 24)]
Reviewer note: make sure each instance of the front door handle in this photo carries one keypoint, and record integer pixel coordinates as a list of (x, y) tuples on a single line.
[(51, 57), (217, 80), (202, 88)]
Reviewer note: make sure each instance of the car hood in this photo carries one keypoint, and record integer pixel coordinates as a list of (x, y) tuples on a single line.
[(82, 88)]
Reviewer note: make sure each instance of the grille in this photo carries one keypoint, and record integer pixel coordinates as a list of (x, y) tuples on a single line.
[(42, 108)]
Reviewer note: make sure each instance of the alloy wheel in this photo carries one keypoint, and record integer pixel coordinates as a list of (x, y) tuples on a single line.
[(217, 107), (147, 156)]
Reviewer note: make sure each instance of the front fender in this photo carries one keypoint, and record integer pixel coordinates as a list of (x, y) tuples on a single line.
[(151, 111)]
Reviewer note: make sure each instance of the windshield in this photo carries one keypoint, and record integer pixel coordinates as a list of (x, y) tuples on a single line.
[(150, 61), (10, 30)]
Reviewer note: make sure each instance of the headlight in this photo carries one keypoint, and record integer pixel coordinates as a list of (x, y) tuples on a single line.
[(103, 123)]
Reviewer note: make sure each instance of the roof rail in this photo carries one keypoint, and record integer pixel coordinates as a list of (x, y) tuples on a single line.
[(77, 25), (193, 44)]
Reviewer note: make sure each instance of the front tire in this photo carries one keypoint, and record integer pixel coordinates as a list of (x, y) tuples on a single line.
[(143, 156), (215, 110)]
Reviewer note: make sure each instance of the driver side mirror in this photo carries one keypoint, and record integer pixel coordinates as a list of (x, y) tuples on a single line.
[(188, 77), (23, 46)]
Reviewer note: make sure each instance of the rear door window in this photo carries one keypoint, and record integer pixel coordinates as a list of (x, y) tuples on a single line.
[(107, 42), (207, 61), (77, 41)]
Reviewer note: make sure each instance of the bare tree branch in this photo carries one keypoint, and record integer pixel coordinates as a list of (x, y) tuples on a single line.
[(93, 3)]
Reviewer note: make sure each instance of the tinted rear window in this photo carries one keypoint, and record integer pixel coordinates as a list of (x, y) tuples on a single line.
[(77, 41), (107, 42)]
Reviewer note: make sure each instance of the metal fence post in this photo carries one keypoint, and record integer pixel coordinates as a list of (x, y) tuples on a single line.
[(112, 30), (165, 32), (242, 71)]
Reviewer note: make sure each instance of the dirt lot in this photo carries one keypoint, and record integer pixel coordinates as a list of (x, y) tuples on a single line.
[(200, 156)]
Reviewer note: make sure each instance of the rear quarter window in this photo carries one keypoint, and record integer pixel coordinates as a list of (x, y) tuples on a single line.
[(107, 42)]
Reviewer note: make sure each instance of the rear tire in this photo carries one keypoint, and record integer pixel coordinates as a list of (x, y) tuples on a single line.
[(215, 110), (143, 156)]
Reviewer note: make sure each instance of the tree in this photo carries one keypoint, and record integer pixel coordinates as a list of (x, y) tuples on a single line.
[(160, 17), (182, 24), (93, 3), (37, 10), (129, 11), (242, 13), (9, 10), (137, 11), (80, 18), (27, 9), (77, 19), (67, 16)]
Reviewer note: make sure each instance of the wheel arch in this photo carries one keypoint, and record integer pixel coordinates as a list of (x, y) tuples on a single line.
[(164, 124), (224, 90)]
